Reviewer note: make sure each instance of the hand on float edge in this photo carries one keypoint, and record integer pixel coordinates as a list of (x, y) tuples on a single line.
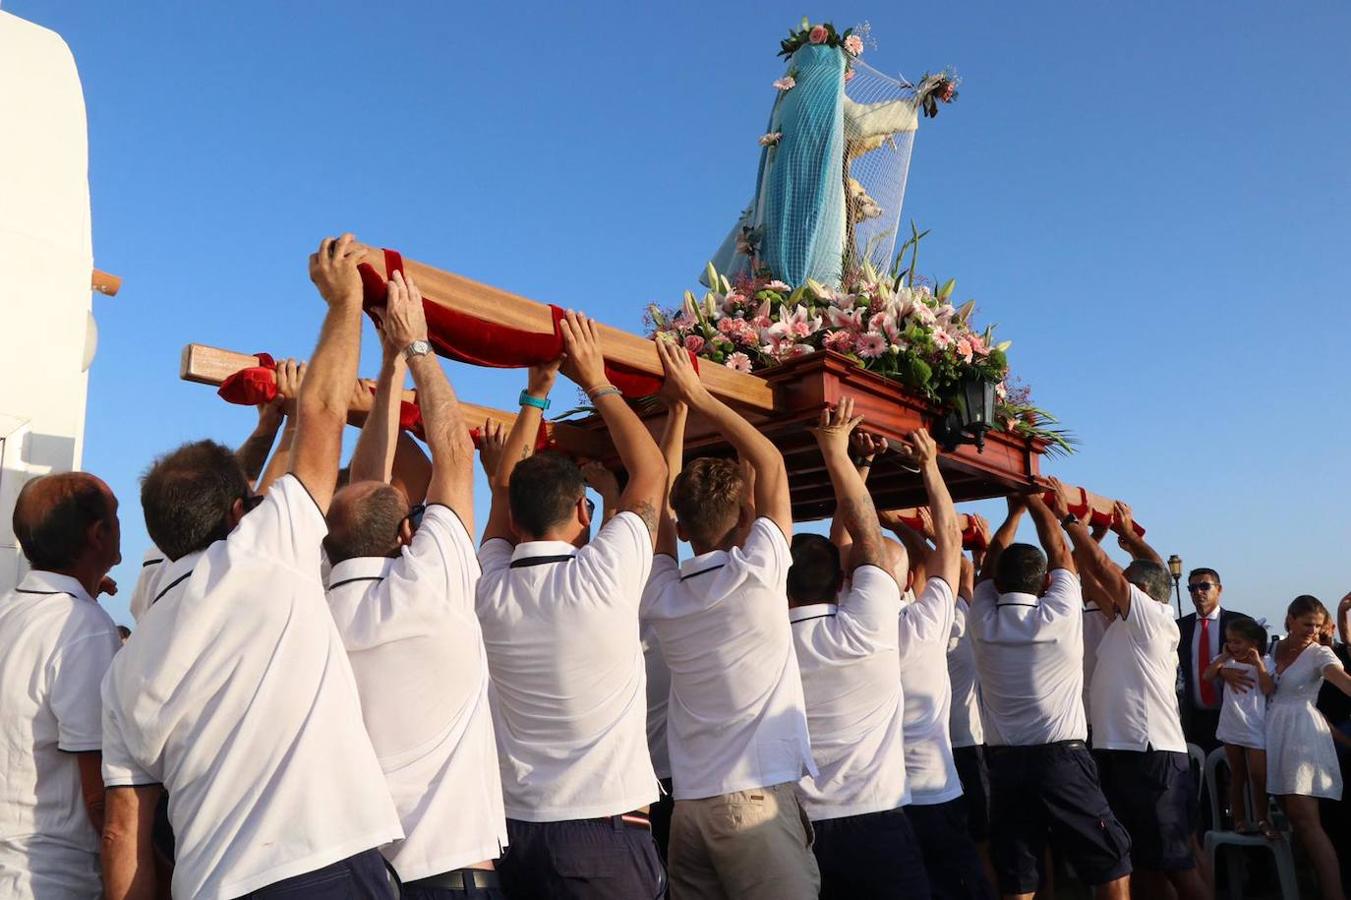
[(289, 376), (682, 382), (582, 362), (1056, 502), (404, 320), (835, 426), (491, 445), (333, 269)]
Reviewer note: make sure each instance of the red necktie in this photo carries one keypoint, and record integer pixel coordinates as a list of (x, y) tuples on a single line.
[(1208, 697)]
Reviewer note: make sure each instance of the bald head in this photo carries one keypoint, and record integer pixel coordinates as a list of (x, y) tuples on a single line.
[(365, 519), (67, 520), (897, 560)]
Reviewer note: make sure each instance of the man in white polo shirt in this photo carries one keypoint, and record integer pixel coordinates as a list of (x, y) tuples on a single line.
[(57, 644), (402, 593), (560, 623), (736, 722), (1137, 730), (846, 645), (236, 695), (1028, 631)]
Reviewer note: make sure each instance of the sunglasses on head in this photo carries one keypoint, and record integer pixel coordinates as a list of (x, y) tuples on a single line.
[(1200, 586)]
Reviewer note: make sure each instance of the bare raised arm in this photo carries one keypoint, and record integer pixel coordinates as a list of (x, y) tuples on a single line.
[(332, 369), (1130, 540), (373, 458), (916, 545), (853, 506), (673, 451), (642, 459), (866, 448), (500, 455), (1111, 590), (944, 560), (452, 481), (771, 476), (252, 454), (290, 374), (1003, 536)]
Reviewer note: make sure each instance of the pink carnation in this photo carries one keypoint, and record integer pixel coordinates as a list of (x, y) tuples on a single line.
[(871, 345), (694, 343), (779, 287), (854, 44), (739, 361), (839, 341), (964, 349), (942, 340), (818, 34)]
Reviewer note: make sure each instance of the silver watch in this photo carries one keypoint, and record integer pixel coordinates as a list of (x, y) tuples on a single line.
[(417, 348)]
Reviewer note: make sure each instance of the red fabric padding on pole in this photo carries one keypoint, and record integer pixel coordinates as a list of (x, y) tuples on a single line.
[(251, 386), (469, 339)]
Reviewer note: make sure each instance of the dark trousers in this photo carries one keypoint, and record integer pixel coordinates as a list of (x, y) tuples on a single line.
[(360, 877), (581, 859), (950, 855), (975, 778), (873, 856), (659, 814)]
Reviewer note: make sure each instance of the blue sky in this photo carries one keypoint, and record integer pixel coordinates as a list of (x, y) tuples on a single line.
[(1152, 200)]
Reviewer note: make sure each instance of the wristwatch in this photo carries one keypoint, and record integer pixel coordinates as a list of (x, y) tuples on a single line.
[(417, 348), (1069, 520)]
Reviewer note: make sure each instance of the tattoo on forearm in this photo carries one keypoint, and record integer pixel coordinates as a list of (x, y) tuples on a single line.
[(860, 518)]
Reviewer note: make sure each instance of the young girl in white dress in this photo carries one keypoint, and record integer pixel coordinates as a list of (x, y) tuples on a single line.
[(1243, 723), (1301, 759)]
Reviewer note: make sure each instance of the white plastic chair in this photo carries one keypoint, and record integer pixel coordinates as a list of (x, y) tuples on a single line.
[(1215, 839), (1198, 761)]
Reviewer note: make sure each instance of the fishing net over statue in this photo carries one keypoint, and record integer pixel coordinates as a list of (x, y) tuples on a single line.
[(832, 173)]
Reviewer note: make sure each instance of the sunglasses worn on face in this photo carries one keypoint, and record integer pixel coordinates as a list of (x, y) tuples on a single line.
[(415, 515), (590, 506), (1200, 586)]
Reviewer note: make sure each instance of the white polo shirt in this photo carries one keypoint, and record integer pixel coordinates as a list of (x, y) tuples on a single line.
[(848, 658), (417, 653), (925, 627), (235, 693), (658, 697), (568, 690), (152, 565), (737, 718), (1134, 684), (964, 723), (1030, 652), (57, 643), (1095, 626)]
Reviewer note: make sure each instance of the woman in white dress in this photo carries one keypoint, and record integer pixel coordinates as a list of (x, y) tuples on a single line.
[(1301, 759)]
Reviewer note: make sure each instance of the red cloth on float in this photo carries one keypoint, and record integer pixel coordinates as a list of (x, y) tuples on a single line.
[(465, 338), (251, 386)]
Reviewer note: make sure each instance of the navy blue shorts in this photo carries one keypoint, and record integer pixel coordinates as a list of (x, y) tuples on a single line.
[(874, 856), (361, 877), (596, 859), (976, 789), (1051, 790), (950, 856), (1153, 795), (462, 884)]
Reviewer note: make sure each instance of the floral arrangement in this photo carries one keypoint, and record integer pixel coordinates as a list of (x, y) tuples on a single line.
[(850, 41), (893, 324)]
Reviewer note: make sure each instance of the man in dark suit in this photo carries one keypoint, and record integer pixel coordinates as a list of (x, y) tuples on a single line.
[(1202, 639)]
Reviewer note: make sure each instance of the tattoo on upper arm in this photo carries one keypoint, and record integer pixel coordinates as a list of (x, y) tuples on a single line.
[(644, 510)]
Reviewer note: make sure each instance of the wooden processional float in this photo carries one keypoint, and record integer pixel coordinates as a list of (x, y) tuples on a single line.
[(783, 403)]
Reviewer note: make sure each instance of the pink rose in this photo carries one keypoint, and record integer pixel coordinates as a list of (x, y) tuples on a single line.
[(739, 361), (818, 34), (694, 343), (854, 44), (947, 92)]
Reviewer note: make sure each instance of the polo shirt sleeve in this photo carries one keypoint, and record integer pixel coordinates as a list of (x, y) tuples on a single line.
[(287, 526), (870, 606), (1065, 596), (441, 555), (144, 592), (494, 556), (74, 675), (1148, 619), (120, 768), (665, 573), (620, 558), (929, 619), (766, 554), (982, 603)]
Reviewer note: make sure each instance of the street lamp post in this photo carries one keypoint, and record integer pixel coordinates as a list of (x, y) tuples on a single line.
[(1175, 569)]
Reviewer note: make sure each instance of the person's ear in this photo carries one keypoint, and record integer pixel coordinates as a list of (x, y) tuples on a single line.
[(909, 580), (236, 513), (405, 532), (583, 513), (1046, 583), (681, 533)]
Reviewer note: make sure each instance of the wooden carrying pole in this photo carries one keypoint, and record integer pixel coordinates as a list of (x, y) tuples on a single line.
[(105, 283), (1092, 508), (211, 365), (512, 311)]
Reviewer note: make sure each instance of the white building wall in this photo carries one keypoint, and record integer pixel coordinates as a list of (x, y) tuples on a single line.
[(47, 333)]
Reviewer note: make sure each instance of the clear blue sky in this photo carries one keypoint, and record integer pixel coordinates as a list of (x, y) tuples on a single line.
[(1153, 200)]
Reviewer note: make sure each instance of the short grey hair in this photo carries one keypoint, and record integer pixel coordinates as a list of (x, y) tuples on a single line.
[(1150, 577)]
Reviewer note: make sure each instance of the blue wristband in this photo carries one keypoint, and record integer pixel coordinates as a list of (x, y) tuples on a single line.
[(526, 400)]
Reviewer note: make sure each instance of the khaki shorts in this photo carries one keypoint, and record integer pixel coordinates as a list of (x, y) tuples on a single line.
[(747, 845)]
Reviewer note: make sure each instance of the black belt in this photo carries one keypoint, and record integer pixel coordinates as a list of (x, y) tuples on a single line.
[(1000, 749), (459, 880)]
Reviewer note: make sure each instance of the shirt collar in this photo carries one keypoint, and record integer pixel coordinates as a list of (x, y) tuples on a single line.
[(174, 574), (40, 582), (360, 568), (529, 549), (1214, 614), (704, 562), (811, 611), (1018, 598)]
